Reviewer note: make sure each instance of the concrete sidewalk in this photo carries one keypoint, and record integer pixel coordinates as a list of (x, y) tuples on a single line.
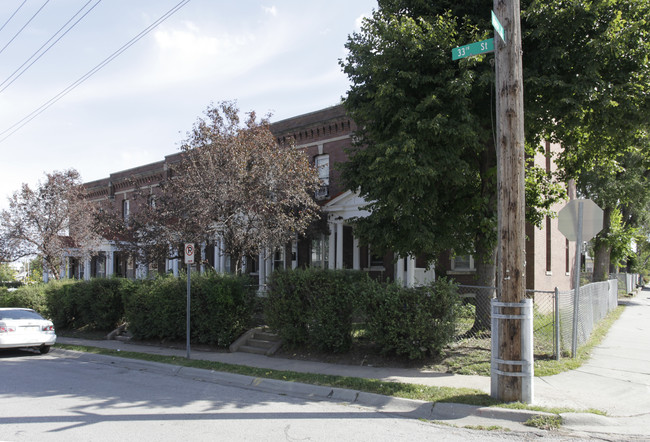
[(616, 379)]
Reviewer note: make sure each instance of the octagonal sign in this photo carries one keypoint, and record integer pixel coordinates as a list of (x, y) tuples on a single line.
[(592, 219)]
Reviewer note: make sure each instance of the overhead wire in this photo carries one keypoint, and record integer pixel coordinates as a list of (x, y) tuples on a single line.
[(24, 26), (25, 120), (12, 15), (44, 44)]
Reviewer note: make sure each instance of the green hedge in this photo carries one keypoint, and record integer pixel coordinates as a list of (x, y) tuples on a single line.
[(413, 322), (221, 308), (315, 306), (96, 304), (27, 296)]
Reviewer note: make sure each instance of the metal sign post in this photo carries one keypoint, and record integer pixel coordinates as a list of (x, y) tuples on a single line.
[(576, 298), (189, 260), (580, 220)]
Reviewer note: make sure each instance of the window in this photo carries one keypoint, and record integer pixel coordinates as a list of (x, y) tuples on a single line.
[(322, 163), (462, 263), (323, 167), (549, 243), (278, 259), (376, 261), (125, 210), (320, 252)]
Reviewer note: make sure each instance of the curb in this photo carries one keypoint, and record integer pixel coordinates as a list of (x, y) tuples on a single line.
[(410, 408)]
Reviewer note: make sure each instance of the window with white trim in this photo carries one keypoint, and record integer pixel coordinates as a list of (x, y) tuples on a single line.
[(462, 263)]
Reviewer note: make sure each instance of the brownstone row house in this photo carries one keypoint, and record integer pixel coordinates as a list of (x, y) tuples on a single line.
[(323, 136)]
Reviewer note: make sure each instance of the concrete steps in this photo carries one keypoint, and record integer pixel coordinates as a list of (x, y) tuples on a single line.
[(259, 341)]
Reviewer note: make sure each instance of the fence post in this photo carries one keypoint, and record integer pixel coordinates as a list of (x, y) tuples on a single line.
[(556, 325)]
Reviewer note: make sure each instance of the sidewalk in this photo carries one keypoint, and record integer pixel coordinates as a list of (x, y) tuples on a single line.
[(616, 379)]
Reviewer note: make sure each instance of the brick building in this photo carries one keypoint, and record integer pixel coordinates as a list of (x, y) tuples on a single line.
[(323, 136)]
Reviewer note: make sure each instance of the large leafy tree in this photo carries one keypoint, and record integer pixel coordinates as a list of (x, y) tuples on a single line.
[(587, 73), (234, 181), (49, 221), (426, 159)]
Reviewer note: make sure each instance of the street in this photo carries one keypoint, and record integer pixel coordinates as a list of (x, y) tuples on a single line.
[(59, 397)]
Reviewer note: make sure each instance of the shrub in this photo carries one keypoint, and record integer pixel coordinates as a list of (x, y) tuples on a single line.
[(221, 308), (27, 296), (96, 304), (315, 307), (414, 322)]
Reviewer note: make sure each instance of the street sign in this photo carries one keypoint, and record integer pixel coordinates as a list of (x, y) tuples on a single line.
[(592, 219), (479, 47), (189, 253), (498, 27)]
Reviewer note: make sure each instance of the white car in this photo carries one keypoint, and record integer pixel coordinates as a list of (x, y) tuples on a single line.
[(23, 327)]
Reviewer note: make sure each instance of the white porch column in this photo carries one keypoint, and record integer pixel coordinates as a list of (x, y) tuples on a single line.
[(202, 266), (399, 271), (175, 266), (356, 254), (87, 268), (109, 263), (217, 260), (331, 257), (294, 254), (261, 273), (268, 263), (222, 255), (410, 271), (339, 245), (64, 266)]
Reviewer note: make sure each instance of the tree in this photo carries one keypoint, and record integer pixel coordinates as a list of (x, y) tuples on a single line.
[(425, 157), (50, 221), (233, 181), (587, 75), (6, 272)]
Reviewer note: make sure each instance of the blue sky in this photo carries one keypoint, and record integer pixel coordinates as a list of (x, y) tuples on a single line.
[(271, 56)]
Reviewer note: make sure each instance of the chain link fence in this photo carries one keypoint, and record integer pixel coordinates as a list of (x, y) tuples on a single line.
[(595, 301), (553, 316)]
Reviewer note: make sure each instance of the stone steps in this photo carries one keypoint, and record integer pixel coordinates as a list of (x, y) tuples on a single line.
[(259, 341)]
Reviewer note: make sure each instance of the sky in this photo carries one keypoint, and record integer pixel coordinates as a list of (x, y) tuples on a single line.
[(277, 56)]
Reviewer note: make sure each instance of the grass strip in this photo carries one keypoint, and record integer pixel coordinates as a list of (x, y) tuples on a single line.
[(408, 391), (552, 367)]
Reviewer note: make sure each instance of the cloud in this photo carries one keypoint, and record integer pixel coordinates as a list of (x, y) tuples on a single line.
[(359, 21), (273, 11)]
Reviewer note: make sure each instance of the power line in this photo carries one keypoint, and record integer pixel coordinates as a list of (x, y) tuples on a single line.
[(50, 47), (12, 15), (20, 124), (24, 26)]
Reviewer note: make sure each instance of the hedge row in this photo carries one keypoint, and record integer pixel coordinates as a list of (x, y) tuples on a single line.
[(317, 307), (155, 309), (305, 306), (221, 308)]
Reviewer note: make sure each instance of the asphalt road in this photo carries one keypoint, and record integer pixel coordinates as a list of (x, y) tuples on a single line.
[(58, 397)]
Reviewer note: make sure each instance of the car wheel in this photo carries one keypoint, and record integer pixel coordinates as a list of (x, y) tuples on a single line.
[(44, 349)]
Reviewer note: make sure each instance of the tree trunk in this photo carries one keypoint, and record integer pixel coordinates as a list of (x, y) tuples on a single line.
[(486, 277), (602, 250)]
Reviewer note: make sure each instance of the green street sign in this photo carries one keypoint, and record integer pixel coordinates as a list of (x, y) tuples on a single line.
[(480, 47), (498, 27)]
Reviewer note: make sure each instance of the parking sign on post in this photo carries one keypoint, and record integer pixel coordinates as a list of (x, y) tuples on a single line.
[(189, 260), (189, 253)]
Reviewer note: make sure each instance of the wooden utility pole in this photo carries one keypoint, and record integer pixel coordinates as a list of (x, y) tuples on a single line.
[(511, 274)]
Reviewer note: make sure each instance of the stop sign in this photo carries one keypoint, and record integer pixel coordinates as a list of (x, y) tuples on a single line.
[(592, 219)]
